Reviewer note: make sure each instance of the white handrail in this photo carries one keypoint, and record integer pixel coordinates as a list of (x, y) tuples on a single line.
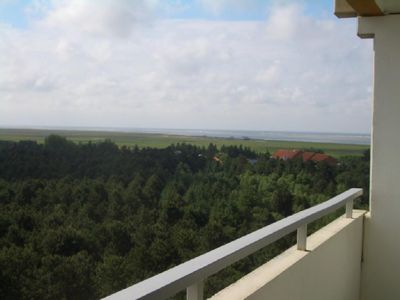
[(192, 273)]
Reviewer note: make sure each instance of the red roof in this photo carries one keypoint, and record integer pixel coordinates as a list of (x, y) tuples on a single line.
[(308, 155), (323, 157), (286, 154)]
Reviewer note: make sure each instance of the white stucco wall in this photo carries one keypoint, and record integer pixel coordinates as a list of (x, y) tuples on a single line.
[(381, 266), (329, 270)]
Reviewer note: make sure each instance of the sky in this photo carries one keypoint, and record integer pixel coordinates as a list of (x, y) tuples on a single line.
[(196, 64)]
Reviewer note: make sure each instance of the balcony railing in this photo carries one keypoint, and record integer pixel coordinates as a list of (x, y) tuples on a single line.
[(191, 274)]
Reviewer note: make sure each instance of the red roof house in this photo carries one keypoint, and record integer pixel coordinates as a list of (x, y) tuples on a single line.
[(319, 157), (306, 156), (287, 154)]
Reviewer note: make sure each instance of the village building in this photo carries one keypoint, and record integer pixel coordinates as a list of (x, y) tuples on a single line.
[(304, 155)]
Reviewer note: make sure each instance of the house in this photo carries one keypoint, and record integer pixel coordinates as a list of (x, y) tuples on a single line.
[(304, 155), (320, 157), (308, 155), (287, 154), (252, 161), (217, 159)]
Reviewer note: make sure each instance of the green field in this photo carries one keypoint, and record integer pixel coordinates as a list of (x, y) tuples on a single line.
[(164, 140)]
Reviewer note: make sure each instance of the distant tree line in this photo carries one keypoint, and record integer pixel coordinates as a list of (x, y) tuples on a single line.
[(81, 221)]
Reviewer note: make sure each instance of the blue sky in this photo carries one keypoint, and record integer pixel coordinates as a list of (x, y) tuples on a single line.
[(12, 12), (254, 10), (196, 64), (16, 12)]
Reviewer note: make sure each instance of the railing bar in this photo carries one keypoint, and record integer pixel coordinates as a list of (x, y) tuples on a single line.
[(180, 277)]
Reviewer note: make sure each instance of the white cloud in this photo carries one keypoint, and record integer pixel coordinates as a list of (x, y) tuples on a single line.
[(106, 65), (102, 18), (284, 22)]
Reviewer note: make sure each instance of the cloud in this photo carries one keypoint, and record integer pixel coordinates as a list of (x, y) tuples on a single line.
[(102, 18), (107, 65)]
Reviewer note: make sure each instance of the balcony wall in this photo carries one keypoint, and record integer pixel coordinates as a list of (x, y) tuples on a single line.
[(381, 269), (329, 269)]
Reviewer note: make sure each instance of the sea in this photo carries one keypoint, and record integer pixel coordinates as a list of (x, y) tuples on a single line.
[(320, 137), (317, 137)]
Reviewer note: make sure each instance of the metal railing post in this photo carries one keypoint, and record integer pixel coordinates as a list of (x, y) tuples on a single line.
[(349, 209), (302, 237), (195, 291)]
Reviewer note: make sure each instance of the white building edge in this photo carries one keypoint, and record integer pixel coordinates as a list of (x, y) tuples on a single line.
[(356, 256)]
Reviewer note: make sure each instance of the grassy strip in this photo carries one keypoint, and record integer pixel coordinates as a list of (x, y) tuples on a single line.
[(163, 140)]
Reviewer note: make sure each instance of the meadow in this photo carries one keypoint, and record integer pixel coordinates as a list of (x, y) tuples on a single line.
[(142, 140)]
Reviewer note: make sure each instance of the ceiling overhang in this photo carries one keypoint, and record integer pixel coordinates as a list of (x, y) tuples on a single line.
[(366, 8)]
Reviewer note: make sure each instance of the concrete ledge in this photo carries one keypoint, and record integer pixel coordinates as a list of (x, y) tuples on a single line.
[(344, 10), (329, 269)]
